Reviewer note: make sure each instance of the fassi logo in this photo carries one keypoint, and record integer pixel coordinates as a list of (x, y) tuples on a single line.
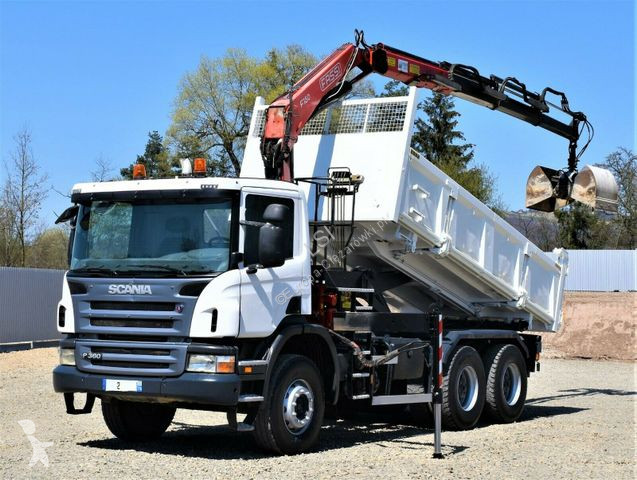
[(330, 77), (130, 290)]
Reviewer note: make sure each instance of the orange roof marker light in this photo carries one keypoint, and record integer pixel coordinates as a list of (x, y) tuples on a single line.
[(139, 171), (199, 166)]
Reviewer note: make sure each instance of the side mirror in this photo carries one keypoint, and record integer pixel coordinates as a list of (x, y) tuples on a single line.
[(272, 236), (68, 214)]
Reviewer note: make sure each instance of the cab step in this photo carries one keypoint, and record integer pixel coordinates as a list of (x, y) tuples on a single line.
[(402, 399), (361, 397), (250, 398), (355, 290)]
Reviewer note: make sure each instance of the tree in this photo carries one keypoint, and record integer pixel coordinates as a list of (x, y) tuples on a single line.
[(546, 232), (623, 164), (394, 88), (103, 171), (281, 69), (214, 104), (156, 159), (8, 241), (580, 227), (212, 111), (49, 249), (437, 138), (540, 227), (24, 191)]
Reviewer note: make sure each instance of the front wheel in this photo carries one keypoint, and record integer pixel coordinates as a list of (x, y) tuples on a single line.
[(289, 420), (136, 421)]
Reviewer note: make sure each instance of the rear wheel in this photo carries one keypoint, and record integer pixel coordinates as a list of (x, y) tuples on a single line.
[(463, 390), (136, 421), (289, 419), (506, 383)]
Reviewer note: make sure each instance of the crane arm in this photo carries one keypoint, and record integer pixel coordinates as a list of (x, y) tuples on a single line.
[(331, 79)]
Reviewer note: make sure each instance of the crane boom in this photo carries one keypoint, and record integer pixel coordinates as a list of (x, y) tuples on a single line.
[(332, 78)]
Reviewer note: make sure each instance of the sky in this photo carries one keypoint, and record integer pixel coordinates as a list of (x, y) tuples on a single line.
[(91, 79)]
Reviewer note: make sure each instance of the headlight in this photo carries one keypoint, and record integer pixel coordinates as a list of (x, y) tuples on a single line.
[(67, 356), (198, 362)]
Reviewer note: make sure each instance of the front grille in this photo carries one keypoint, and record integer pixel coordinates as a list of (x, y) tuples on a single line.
[(130, 350), (131, 358), (164, 316), (134, 306), (131, 323), (130, 338), (113, 363)]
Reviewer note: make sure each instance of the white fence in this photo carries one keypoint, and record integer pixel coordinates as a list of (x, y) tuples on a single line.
[(602, 270), (28, 302)]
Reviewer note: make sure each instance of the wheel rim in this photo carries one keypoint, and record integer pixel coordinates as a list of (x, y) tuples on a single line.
[(511, 384), (467, 388), (298, 407)]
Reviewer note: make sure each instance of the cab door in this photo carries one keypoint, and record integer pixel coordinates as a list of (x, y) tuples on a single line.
[(269, 294)]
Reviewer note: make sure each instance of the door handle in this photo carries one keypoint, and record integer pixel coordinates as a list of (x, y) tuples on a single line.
[(253, 268)]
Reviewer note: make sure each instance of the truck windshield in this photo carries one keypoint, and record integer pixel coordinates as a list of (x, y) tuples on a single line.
[(156, 237)]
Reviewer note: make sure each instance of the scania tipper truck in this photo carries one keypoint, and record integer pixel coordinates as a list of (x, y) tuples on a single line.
[(367, 277)]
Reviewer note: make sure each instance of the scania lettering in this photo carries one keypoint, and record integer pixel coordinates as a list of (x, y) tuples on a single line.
[(130, 290)]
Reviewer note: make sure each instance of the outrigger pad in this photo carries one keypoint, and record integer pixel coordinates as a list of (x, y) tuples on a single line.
[(70, 404)]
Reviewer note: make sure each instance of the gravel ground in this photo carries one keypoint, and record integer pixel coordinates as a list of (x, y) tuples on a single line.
[(579, 423)]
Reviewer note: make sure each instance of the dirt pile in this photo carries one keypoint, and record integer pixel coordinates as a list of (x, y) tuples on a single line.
[(596, 325)]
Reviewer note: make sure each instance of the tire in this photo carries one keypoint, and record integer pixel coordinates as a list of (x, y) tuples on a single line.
[(463, 390), (289, 420), (136, 422), (506, 383)]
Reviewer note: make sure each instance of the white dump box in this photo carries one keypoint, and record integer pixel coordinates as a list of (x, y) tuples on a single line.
[(414, 218)]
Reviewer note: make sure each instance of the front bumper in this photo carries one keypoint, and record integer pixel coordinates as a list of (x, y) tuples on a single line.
[(196, 388)]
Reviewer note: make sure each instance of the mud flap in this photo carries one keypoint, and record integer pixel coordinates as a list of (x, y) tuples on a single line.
[(69, 400), (245, 426)]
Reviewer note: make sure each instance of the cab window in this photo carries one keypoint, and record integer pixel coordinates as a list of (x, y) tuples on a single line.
[(255, 207)]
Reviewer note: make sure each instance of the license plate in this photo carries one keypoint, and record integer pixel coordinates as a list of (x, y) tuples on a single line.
[(110, 385)]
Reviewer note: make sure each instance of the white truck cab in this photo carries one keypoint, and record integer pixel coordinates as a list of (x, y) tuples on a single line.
[(194, 226)]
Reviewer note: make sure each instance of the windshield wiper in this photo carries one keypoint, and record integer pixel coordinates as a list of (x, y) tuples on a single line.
[(100, 270), (204, 272), (164, 268)]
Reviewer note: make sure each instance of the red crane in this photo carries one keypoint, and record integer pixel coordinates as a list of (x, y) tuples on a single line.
[(334, 77)]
